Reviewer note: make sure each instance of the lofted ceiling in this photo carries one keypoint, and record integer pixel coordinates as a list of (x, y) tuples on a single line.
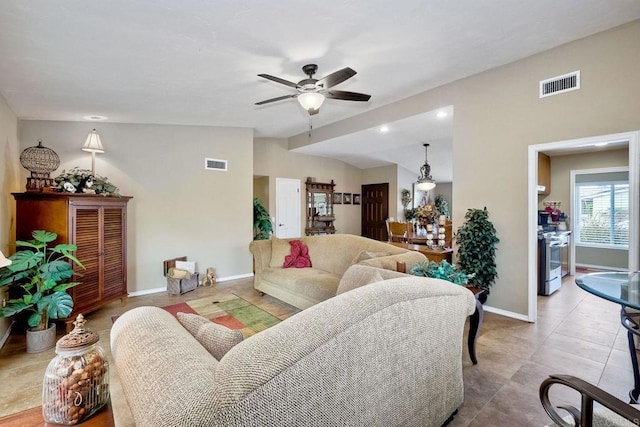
[(196, 63)]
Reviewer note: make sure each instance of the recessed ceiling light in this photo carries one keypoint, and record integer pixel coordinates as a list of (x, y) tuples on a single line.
[(384, 129), (95, 118), (441, 114), (601, 144)]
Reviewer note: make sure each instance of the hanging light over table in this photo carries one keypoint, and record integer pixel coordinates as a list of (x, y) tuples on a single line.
[(425, 182)]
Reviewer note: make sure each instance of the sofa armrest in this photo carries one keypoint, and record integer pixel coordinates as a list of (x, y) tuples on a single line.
[(261, 251), (157, 361)]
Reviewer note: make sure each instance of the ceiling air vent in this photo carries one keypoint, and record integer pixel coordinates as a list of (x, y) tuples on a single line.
[(560, 84), (215, 164)]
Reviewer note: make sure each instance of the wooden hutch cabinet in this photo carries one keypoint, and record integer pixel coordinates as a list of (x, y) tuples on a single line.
[(97, 225), (320, 215)]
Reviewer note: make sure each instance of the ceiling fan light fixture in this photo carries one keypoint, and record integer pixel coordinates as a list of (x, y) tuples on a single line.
[(311, 101), (425, 182)]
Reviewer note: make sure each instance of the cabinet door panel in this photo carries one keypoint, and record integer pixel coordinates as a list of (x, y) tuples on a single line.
[(114, 278), (87, 238)]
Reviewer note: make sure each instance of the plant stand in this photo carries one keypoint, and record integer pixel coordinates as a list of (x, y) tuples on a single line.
[(38, 341)]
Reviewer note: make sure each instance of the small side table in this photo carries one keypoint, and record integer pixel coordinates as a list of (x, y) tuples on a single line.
[(33, 417), (475, 321)]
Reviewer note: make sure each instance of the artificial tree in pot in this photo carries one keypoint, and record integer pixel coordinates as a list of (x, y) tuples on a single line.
[(476, 240), (262, 226), (37, 281)]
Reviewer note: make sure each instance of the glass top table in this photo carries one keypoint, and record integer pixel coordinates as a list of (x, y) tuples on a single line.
[(622, 288)]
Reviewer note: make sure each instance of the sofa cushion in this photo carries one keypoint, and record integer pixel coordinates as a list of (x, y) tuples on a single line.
[(359, 275), (311, 282), (390, 262), (368, 255), (217, 339), (280, 248)]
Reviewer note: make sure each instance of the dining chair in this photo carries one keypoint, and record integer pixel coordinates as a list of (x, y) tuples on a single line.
[(396, 231)]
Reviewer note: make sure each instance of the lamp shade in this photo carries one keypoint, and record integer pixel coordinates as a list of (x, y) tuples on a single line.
[(3, 260), (425, 185), (93, 143), (311, 100)]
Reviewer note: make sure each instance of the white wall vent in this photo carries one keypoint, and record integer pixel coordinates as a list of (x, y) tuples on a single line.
[(560, 84), (215, 164)]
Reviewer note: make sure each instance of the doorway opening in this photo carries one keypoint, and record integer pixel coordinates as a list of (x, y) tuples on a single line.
[(630, 139)]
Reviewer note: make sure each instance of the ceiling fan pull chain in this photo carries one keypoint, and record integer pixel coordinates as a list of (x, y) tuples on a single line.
[(310, 126)]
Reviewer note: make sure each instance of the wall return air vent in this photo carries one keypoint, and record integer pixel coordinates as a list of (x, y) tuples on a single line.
[(215, 164), (560, 84)]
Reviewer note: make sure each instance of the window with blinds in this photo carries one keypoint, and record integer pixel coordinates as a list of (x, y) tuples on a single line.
[(603, 213)]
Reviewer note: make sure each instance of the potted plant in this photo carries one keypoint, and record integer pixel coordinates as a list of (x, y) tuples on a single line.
[(442, 206), (262, 226), (37, 282), (442, 270), (476, 240)]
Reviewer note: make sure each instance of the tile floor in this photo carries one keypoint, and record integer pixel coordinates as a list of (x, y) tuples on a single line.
[(576, 334)]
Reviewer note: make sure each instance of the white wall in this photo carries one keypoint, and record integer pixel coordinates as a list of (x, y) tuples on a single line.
[(178, 207), (272, 158)]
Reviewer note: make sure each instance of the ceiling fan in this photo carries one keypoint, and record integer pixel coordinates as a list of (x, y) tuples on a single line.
[(312, 92)]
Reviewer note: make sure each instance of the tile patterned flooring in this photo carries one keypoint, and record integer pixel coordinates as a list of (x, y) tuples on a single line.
[(576, 333)]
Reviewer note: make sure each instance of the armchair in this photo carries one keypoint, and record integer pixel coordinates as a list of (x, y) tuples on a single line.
[(614, 412)]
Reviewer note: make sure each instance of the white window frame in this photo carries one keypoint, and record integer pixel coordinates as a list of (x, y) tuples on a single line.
[(577, 206)]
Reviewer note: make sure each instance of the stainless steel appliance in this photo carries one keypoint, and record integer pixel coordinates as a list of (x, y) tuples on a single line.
[(549, 263)]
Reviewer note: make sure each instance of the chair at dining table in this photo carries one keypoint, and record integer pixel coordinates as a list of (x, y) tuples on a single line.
[(396, 231)]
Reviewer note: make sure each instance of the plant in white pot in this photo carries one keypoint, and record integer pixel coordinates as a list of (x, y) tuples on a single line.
[(37, 280)]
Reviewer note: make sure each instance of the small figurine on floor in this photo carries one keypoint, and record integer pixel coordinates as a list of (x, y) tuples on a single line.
[(209, 278)]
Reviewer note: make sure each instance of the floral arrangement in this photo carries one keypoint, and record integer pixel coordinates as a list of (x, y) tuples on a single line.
[(427, 213), (83, 181)]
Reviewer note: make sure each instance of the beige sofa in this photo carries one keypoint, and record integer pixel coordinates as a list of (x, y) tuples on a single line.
[(385, 354), (331, 255)]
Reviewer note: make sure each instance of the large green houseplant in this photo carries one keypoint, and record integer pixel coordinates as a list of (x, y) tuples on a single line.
[(476, 240), (38, 279), (262, 226)]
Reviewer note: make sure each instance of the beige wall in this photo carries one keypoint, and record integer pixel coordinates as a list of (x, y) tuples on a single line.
[(9, 182), (499, 114), (178, 207), (561, 167), (273, 159)]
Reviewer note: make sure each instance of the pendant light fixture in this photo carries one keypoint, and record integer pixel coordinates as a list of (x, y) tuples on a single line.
[(425, 182)]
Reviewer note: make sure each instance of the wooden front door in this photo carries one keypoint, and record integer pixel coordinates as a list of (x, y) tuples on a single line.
[(375, 210)]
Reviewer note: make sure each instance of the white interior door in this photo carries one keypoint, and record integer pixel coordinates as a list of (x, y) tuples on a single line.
[(287, 208)]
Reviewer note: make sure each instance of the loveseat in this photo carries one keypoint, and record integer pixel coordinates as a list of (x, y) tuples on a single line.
[(385, 354), (330, 255)]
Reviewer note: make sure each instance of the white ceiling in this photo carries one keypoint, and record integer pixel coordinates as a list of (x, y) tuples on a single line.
[(196, 63)]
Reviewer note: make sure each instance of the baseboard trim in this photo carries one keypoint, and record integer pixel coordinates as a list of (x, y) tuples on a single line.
[(5, 337), (506, 313), (164, 288)]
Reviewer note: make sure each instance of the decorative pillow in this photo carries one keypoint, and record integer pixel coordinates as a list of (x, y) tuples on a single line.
[(190, 266), (368, 255), (217, 339), (299, 257), (280, 248), (357, 276)]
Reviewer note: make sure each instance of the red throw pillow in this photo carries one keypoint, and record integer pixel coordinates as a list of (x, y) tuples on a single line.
[(299, 257)]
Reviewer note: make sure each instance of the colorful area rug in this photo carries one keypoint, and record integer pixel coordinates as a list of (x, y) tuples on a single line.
[(230, 310)]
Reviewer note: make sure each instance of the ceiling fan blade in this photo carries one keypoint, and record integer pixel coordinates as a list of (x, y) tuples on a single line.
[(335, 78), (278, 80), (280, 98), (347, 96)]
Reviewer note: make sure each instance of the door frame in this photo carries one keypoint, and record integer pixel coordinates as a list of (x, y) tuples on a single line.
[(633, 139)]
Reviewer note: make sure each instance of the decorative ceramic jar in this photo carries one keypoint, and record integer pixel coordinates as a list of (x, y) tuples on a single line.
[(76, 383)]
